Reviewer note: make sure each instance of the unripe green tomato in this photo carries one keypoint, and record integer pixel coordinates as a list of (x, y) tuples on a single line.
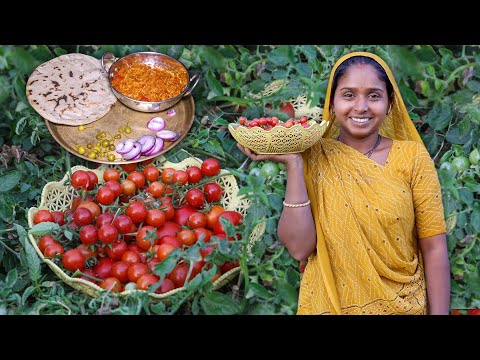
[(460, 163), (130, 286), (254, 172), (269, 169), (474, 157)]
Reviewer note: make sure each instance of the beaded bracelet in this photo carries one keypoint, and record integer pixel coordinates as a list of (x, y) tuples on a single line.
[(296, 205)]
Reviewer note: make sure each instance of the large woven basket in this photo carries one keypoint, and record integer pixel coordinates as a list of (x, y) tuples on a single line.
[(58, 195), (279, 139)]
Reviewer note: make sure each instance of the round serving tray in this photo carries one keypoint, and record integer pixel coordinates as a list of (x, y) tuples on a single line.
[(70, 137)]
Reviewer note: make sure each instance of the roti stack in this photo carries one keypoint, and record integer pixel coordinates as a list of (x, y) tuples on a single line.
[(71, 89)]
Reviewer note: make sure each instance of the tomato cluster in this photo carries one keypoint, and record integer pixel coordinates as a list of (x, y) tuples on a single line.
[(121, 228), (268, 123)]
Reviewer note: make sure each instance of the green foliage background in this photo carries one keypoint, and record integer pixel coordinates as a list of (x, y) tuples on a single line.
[(440, 85)]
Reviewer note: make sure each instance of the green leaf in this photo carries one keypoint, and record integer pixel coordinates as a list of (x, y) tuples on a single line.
[(229, 52), (221, 121), (42, 53), (216, 303), (475, 220), (263, 308), (20, 125), (4, 88), (9, 180), (455, 136), (408, 95), (23, 61), (426, 54), (213, 58), (11, 278), (407, 61), (309, 51), (44, 228), (28, 291), (466, 195), (33, 262), (214, 85), (287, 292), (20, 89), (7, 208), (2, 251), (304, 69), (214, 147), (440, 116), (260, 291), (166, 265), (278, 56), (59, 51)]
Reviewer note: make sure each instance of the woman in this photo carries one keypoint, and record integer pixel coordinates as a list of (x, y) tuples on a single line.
[(364, 203)]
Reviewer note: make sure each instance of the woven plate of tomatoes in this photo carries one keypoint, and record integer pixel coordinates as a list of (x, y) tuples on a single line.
[(269, 135), (113, 227)]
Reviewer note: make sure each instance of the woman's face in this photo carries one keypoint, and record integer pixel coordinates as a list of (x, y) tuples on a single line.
[(360, 101)]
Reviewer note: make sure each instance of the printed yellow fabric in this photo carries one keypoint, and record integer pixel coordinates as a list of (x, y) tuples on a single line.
[(369, 218)]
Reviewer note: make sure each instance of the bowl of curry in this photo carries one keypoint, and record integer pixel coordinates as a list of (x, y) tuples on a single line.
[(148, 81)]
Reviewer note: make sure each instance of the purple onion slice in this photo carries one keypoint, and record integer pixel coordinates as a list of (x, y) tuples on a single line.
[(168, 135), (124, 146), (156, 148), (135, 151), (156, 124), (147, 142)]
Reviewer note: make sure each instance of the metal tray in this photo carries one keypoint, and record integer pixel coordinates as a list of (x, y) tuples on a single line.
[(70, 137)]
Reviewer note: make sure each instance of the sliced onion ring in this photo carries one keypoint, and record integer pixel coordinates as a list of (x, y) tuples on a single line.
[(135, 151), (156, 124), (124, 146), (156, 148), (147, 142), (168, 135)]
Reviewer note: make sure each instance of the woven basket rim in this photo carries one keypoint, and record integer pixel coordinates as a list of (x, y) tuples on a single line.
[(313, 124), (222, 280)]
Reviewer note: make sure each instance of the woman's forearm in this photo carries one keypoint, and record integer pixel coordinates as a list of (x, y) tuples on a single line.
[(437, 273), (296, 227)]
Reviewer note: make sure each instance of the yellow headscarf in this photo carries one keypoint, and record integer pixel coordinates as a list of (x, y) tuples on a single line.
[(397, 124)]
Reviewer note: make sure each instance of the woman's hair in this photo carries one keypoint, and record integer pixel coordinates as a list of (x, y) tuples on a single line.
[(357, 60)]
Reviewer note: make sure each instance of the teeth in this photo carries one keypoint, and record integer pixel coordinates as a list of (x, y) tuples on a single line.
[(360, 120)]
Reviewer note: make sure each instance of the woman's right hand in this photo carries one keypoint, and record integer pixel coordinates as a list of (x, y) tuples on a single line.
[(283, 158)]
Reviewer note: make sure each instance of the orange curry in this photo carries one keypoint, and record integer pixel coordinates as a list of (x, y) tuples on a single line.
[(146, 83)]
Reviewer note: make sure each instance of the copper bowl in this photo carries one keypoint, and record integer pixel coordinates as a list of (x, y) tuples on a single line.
[(112, 65)]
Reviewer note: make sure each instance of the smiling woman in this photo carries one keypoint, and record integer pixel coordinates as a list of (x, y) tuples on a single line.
[(364, 205)]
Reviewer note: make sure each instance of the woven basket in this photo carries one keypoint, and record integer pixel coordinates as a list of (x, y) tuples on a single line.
[(279, 139), (57, 195)]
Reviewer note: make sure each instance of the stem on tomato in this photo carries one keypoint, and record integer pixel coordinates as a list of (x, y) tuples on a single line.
[(79, 273)]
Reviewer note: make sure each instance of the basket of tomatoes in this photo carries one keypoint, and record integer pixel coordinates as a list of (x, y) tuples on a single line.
[(113, 227), (269, 135)]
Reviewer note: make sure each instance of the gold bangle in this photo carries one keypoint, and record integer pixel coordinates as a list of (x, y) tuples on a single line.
[(296, 205)]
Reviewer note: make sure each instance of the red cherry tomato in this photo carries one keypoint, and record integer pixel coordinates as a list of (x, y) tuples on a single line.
[(210, 167), (43, 216), (213, 192), (195, 198), (73, 260), (194, 174)]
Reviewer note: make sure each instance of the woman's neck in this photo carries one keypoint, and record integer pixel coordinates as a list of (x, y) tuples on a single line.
[(363, 145)]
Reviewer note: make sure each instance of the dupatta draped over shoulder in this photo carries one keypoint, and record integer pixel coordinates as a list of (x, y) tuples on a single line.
[(369, 218)]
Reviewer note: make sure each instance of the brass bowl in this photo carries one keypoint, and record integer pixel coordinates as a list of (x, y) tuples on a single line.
[(112, 65)]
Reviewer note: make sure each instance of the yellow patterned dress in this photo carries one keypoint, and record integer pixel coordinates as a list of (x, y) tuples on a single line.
[(369, 218)]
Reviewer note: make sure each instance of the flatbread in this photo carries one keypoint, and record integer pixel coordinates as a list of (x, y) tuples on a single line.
[(71, 89)]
